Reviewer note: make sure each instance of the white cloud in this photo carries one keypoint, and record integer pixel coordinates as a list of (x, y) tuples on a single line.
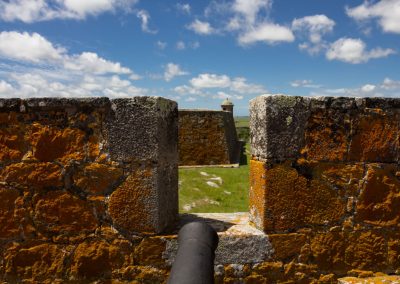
[(30, 11), (386, 11), (354, 51), (210, 81), (173, 70), (27, 47), (144, 16), (92, 63), (183, 8), (6, 88), (194, 45), (266, 32), (202, 28), (219, 87), (180, 45), (51, 71), (388, 88), (304, 84), (250, 8), (161, 45), (314, 27)]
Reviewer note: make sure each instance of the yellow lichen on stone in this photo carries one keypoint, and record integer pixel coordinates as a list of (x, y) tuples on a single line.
[(62, 213), (97, 178), (130, 204), (257, 193), (287, 246), (36, 175)]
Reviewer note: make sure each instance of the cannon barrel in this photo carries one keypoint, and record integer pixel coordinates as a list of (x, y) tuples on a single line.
[(194, 262)]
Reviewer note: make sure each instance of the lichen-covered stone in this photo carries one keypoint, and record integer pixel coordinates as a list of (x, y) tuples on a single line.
[(98, 178), (375, 137), (9, 225), (133, 205), (277, 126), (150, 251), (370, 280), (12, 144), (292, 200), (59, 212), (287, 246), (37, 175), (35, 262), (366, 251), (379, 201), (51, 144), (328, 251), (326, 135)]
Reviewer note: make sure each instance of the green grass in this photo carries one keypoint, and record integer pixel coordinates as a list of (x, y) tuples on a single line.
[(231, 195), (242, 121)]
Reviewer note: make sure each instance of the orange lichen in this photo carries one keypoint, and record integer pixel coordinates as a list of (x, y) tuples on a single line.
[(9, 224), (60, 212), (150, 251), (131, 203), (326, 136), (12, 144), (50, 143), (375, 138), (37, 175), (379, 201), (328, 250), (97, 178), (257, 193), (287, 246)]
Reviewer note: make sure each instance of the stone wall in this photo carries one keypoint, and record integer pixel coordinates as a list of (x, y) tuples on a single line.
[(81, 183), (207, 137), (325, 183)]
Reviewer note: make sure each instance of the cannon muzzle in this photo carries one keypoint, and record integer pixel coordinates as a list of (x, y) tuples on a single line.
[(194, 262)]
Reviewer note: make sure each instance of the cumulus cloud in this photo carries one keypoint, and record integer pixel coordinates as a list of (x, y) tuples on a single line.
[(202, 28), (387, 12), (247, 20), (354, 51), (219, 86), (30, 11), (173, 70), (41, 69), (144, 16), (28, 47), (314, 27), (266, 32)]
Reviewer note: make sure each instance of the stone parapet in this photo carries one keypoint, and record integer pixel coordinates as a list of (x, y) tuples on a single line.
[(325, 180)]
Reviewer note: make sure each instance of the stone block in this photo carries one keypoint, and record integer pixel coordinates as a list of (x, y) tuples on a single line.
[(277, 126)]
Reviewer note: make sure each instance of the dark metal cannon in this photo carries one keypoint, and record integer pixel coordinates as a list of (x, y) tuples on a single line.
[(194, 262)]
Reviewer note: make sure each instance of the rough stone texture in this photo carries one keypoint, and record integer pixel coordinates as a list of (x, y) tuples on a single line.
[(81, 181), (207, 137), (328, 193), (277, 126)]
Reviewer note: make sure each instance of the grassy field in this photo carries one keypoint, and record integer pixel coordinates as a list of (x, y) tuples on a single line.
[(204, 190), (242, 121)]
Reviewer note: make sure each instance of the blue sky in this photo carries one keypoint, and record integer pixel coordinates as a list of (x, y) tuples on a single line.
[(199, 52)]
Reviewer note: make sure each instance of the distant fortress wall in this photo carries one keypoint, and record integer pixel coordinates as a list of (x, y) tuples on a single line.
[(207, 137)]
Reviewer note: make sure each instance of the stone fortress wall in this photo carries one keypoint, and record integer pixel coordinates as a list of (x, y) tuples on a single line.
[(207, 137), (88, 192)]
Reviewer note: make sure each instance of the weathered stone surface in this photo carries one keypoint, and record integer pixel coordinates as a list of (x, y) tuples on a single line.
[(328, 250), (37, 175), (12, 144), (293, 200), (150, 251), (9, 224), (59, 212), (51, 144), (370, 280), (375, 137), (277, 126), (257, 193), (133, 205), (287, 246), (98, 178), (394, 252), (379, 201), (149, 122), (35, 262), (206, 138), (326, 135), (367, 251)]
